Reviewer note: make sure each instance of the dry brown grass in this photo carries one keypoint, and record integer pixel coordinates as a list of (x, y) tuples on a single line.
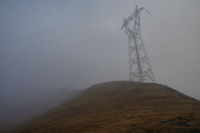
[(122, 107)]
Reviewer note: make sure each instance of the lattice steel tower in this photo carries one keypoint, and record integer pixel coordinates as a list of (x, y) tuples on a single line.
[(139, 65)]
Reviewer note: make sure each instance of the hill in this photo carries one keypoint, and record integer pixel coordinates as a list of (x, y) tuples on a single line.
[(122, 107)]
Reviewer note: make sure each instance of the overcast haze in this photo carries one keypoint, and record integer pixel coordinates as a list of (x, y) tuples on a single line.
[(47, 44)]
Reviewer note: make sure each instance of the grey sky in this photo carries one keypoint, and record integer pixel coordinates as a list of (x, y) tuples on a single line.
[(48, 44)]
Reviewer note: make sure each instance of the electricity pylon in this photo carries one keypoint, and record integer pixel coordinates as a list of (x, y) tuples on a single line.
[(139, 65)]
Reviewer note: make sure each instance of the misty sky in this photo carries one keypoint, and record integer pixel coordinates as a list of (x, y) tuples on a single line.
[(46, 44)]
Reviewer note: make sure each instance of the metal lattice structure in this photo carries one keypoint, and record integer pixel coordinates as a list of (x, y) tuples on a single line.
[(139, 65)]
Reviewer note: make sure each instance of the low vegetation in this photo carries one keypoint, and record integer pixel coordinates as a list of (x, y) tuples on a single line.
[(121, 107)]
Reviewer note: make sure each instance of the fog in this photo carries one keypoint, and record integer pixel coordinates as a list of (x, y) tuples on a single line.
[(51, 44)]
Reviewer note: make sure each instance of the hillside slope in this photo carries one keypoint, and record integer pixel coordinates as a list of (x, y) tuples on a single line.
[(125, 107), (20, 108)]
